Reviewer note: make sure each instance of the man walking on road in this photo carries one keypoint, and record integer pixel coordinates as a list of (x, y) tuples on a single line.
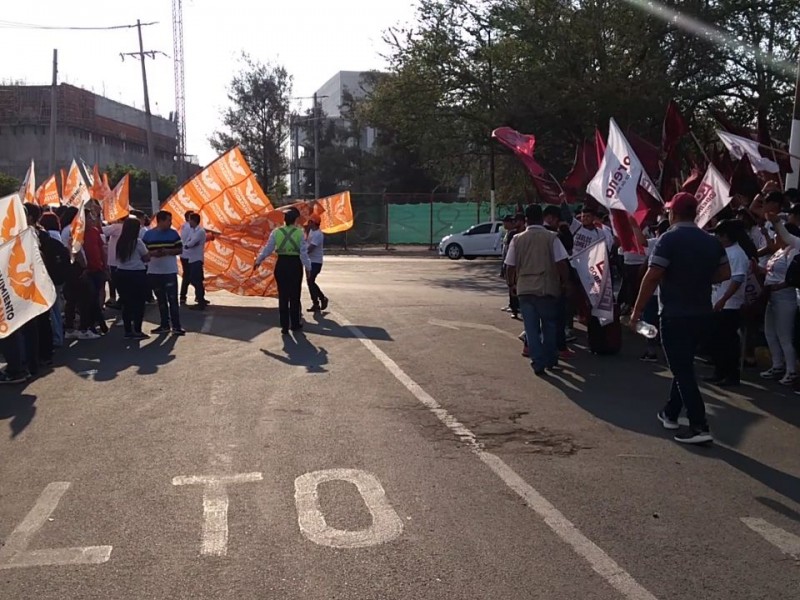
[(290, 245), (685, 262), (185, 280), (164, 246), (316, 241), (536, 266)]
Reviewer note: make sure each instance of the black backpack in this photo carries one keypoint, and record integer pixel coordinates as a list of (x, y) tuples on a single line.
[(793, 273), (56, 258)]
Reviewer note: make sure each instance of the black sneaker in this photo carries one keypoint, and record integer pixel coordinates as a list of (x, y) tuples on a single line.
[(178, 331), (666, 422), (314, 308), (160, 330), (323, 304), (182, 301), (694, 436), (129, 335), (297, 327), (140, 335)]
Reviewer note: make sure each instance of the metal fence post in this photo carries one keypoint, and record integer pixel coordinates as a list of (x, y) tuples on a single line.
[(386, 219)]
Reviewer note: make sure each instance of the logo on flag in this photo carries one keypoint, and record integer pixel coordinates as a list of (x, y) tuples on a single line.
[(739, 147), (713, 194), (591, 265), (26, 290), (14, 220)]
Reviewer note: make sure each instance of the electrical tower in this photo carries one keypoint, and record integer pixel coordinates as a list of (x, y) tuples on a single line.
[(180, 95)]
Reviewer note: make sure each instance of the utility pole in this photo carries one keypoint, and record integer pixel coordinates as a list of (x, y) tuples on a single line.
[(53, 109), (793, 178), (141, 55), (316, 149), (492, 200)]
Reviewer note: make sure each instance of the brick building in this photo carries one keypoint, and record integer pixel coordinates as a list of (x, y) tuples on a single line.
[(89, 126)]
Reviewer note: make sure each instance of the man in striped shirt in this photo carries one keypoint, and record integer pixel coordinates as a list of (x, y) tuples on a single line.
[(164, 246)]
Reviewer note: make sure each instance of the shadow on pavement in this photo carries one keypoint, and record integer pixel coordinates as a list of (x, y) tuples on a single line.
[(629, 397), (470, 276), (106, 358), (779, 508), (19, 408), (300, 352)]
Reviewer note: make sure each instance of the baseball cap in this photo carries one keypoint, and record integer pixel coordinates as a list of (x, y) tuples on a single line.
[(682, 202)]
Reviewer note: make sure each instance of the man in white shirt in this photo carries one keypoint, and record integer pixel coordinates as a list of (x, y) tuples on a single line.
[(194, 243), (315, 240), (185, 280), (586, 231), (536, 266), (728, 299)]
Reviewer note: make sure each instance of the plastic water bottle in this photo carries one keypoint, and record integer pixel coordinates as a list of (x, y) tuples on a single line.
[(646, 329)]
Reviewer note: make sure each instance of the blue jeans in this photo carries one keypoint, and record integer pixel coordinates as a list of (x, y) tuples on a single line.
[(165, 288), (680, 337), (540, 316)]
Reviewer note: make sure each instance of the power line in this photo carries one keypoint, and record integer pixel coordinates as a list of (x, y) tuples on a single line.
[(15, 25)]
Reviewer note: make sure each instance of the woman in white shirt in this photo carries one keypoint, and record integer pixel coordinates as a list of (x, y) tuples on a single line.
[(779, 317), (132, 278)]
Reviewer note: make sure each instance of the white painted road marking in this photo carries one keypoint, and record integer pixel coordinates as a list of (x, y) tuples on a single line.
[(386, 525), (14, 553), (601, 562), (215, 507), (786, 542), (456, 325)]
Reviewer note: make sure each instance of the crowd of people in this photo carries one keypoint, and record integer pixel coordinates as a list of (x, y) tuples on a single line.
[(714, 294), (120, 266)]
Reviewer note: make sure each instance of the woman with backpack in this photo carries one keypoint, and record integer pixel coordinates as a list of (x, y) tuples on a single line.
[(132, 278)]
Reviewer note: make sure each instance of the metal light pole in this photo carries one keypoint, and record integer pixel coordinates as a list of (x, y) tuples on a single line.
[(793, 178), (53, 110), (492, 200)]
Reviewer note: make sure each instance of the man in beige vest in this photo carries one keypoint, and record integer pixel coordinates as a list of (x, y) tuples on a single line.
[(536, 265)]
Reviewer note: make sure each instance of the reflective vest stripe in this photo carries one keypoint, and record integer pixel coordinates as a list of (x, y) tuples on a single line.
[(288, 241)]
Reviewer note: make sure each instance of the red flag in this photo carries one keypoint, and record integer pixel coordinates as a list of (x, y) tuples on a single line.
[(744, 181), (647, 153), (522, 146), (583, 169), (674, 128)]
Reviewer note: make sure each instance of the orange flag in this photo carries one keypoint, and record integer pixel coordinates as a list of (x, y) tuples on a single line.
[(47, 193), (78, 231), (335, 212), (97, 191), (63, 182), (27, 192), (116, 203), (75, 192)]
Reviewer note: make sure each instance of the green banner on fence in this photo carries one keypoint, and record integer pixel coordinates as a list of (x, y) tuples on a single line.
[(429, 223)]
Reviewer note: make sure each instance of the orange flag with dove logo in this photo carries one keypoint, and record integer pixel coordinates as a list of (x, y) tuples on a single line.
[(75, 192), (12, 217), (335, 213), (47, 193), (27, 192), (26, 290)]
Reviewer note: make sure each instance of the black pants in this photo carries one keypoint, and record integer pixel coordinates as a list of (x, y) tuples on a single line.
[(44, 334), (184, 279), (112, 284), (81, 295), (289, 277), (165, 287), (13, 349), (316, 294), (725, 344), (133, 289), (680, 337), (513, 302), (196, 277)]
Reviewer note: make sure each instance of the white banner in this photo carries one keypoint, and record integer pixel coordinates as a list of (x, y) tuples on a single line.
[(712, 195), (26, 289), (739, 146), (620, 174), (595, 274), (27, 191), (12, 217)]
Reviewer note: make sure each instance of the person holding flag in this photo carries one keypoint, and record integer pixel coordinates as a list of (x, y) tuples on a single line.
[(290, 245)]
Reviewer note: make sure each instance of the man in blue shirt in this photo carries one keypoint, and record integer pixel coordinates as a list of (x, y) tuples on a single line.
[(164, 246), (685, 263)]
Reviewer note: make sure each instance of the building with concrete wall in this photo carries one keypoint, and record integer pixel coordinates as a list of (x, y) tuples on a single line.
[(89, 127)]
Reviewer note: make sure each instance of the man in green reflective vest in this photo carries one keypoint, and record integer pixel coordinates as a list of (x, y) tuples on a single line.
[(289, 243)]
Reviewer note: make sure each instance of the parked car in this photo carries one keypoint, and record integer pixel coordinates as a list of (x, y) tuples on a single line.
[(483, 239)]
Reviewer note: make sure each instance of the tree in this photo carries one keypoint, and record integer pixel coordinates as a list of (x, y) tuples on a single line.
[(8, 184), (258, 121), (140, 184)]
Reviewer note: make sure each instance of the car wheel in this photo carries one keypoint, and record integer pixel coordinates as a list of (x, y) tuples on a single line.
[(454, 252)]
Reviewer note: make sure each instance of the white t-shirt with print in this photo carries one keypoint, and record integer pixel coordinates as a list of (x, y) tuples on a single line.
[(740, 266)]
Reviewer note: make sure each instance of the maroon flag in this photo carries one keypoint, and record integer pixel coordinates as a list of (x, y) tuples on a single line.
[(693, 181), (674, 128), (744, 181), (583, 169), (522, 146)]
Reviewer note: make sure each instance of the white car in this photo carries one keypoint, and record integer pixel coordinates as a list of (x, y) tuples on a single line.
[(483, 239)]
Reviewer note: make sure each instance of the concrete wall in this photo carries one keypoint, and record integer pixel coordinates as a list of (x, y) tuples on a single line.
[(103, 107)]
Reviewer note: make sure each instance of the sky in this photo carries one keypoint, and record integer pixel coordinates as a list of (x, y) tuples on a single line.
[(313, 39)]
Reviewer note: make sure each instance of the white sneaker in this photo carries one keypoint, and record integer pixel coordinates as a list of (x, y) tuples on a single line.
[(88, 335), (772, 373), (788, 379)]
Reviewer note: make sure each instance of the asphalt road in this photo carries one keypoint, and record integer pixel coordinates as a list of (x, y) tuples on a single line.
[(400, 448)]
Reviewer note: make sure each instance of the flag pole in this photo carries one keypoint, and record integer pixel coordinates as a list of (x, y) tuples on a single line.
[(702, 150)]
